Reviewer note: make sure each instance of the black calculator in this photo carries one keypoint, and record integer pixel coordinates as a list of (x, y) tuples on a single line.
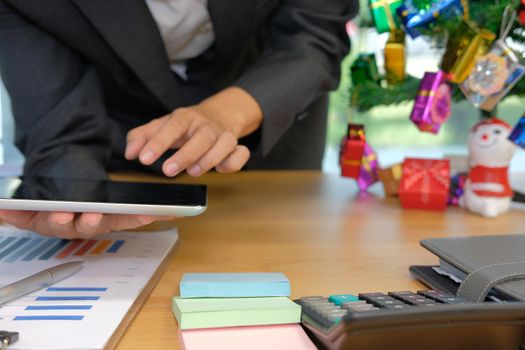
[(426, 319)]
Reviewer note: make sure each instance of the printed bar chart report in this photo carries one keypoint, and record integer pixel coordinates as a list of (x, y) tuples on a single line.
[(28, 249), (83, 310)]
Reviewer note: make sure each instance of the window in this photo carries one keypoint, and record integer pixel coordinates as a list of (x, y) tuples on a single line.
[(11, 160), (388, 128)]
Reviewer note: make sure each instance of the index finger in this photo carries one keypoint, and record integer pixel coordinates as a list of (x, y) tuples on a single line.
[(19, 218), (164, 139), (139, 136)]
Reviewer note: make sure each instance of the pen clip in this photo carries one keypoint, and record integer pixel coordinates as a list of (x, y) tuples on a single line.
[(7, 338)]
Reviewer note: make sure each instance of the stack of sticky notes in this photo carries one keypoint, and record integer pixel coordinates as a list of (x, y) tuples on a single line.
[(238, 311)]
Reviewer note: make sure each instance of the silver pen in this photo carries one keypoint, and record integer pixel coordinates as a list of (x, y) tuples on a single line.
[(37, 281)]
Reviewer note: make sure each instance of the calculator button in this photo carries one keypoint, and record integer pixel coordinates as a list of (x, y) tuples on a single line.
[(388, 303), (411, 298), (339, 299), (334, 315), (323, 308), (373, 297), (367, 295), (358, 306), (311, 302), (441, 297), (348, 304), (403, 292), (313, 298), (401, 306), (371, 309), (380, 298), (419, 301), (451, 300), (316, 304), (432, 293)]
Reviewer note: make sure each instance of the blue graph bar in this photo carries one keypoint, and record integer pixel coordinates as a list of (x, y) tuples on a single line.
[(13, 247), (66, 298), (59, 307), (25, 249), (58, 247), (48, 318), (116, 246), (75, 289), (48, 243), (1, 243), (7, 241)]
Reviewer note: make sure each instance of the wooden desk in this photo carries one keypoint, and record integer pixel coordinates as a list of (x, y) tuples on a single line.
[(315, 228)]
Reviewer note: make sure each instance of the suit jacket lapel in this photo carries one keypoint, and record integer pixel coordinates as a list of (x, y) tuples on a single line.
[(133, 34)]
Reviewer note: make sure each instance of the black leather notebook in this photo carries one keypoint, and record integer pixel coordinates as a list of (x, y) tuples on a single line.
[(485, 265)]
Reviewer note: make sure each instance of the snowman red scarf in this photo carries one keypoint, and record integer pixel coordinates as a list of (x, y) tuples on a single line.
[(490, 182)]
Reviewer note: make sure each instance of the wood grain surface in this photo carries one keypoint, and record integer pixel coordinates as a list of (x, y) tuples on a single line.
[(315, 228)]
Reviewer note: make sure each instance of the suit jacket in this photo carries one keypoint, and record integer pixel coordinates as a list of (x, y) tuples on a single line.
[(81, 73)]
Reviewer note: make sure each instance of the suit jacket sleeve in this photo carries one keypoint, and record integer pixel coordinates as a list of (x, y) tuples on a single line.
[(301, 62), (61, 124)]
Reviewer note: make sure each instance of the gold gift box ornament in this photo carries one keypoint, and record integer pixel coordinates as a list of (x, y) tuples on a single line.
[(395, 58), (463, 49), (390, 178)]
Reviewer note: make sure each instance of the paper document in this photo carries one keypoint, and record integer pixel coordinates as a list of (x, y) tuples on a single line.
[(450, 271), (84, 310)]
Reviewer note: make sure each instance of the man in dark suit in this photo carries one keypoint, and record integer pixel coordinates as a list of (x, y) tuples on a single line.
[(95, 86)]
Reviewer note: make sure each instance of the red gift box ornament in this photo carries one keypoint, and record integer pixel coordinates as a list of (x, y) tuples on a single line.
[(521, 12), (425, 184), (352, 150)]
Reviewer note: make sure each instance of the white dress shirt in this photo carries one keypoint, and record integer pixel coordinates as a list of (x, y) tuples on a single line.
[(185, 27)]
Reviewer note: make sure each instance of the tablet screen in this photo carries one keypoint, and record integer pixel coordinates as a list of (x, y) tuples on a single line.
[(74, 190)]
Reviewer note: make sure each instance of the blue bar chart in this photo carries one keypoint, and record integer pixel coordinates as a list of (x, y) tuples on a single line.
[(26, 249), (85, 309), (61, 304)]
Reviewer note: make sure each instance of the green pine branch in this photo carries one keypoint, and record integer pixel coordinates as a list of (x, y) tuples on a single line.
[(368, 95)]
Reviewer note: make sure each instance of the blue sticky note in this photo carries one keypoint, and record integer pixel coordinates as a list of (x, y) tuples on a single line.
[(234, 285)]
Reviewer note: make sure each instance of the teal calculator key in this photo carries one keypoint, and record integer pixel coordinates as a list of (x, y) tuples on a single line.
[(339, 299)]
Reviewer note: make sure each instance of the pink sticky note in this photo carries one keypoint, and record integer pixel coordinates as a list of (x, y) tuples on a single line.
[(275, 337)]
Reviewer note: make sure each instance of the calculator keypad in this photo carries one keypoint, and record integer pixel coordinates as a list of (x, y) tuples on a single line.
[(330, 311)]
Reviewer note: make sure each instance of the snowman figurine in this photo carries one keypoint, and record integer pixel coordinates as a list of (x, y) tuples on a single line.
[(487, 189)]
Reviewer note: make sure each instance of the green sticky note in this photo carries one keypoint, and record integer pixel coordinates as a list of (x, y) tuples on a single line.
[(232, 312)]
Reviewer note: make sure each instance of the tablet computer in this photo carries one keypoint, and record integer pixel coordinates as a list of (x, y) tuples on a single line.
[(75, 195)]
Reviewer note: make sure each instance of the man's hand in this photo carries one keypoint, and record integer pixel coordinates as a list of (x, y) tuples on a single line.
[(73, 226), (205, 135)]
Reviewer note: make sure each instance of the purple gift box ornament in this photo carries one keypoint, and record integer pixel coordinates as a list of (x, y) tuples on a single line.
[(518, 133), (457, 188), (368, 171), (432, 104)]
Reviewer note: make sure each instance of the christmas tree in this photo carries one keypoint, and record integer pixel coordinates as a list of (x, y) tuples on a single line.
[(486, 14), (479, 51)]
